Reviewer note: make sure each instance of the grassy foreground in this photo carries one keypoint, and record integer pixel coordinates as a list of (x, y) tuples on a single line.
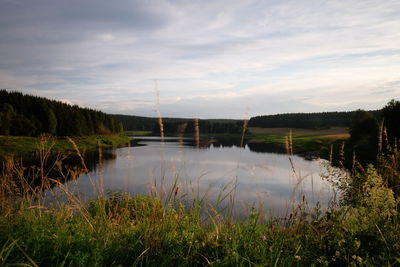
[(130, 231), (19, 145), (360, 229)]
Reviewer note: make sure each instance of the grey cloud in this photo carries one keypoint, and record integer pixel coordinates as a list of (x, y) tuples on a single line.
[(103, 52), (139, 15)]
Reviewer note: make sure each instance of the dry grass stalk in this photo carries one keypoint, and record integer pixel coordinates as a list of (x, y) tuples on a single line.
[(386, 138), (181, 131), (100, 152), (129, 152), (290, 142), (78, 152), (19, 182), (287, 145), (341, 156), (244, 129), (197, 132), (380, 136), (160, 120), (160, 123), (289, 149), (44, 145), (99, 187)]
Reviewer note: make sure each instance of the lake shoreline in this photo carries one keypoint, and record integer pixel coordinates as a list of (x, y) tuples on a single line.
[(310, 145), (307, 143), (20, 146), (162, 228)]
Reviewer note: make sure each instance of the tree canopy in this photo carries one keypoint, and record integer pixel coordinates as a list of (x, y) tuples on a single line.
[(391, 119), (30, 115), (305, 120)]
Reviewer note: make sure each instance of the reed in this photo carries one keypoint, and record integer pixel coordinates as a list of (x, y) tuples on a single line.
[(244, 130), (181, 132), (197, 132), (160, 120)]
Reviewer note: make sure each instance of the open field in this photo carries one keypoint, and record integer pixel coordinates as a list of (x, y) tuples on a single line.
[(304, 141), (335, 132)]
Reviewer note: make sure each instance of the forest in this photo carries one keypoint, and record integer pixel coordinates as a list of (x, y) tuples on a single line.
[(174, 126), (205, 127), (306, 120), (27, 115), (370, 135), (31, 115)]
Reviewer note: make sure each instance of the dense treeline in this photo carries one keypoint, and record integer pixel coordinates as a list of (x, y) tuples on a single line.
[(205, 127), (305, 120), (371, 135), (179, 125), (136, 123), (30, 115)]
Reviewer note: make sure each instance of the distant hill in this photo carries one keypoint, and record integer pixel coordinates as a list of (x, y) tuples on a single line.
[(306, 120)]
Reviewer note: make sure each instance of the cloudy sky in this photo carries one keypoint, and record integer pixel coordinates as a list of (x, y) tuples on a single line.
[(208, 59)]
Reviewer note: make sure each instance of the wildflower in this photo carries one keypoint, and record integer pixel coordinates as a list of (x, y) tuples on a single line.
[(263, 238), (297, 257)]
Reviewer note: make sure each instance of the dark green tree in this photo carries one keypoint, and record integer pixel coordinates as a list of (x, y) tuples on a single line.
[(364, 136), (23, 126), (30, 115), (391, 117), (51, 122), (7, 115)]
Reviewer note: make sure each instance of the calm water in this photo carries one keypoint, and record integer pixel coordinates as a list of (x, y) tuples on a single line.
[(267, 180)]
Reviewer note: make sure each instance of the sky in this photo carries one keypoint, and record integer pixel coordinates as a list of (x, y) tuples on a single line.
[(204, 59)]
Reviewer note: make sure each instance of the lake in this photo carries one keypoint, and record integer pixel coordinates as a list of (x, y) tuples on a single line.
[(219, 172)]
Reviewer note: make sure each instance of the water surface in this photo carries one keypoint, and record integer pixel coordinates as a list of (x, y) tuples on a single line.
[(268, 180)]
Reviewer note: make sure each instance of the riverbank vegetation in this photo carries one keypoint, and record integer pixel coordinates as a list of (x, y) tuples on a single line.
[(17, 146), (359, 229)]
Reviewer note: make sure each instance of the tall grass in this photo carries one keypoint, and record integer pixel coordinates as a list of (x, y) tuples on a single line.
[(161, 228)]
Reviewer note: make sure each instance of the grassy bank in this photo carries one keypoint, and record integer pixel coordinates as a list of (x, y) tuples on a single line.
[(20, 145), (360, 229), (131, 231), (304, 141)]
